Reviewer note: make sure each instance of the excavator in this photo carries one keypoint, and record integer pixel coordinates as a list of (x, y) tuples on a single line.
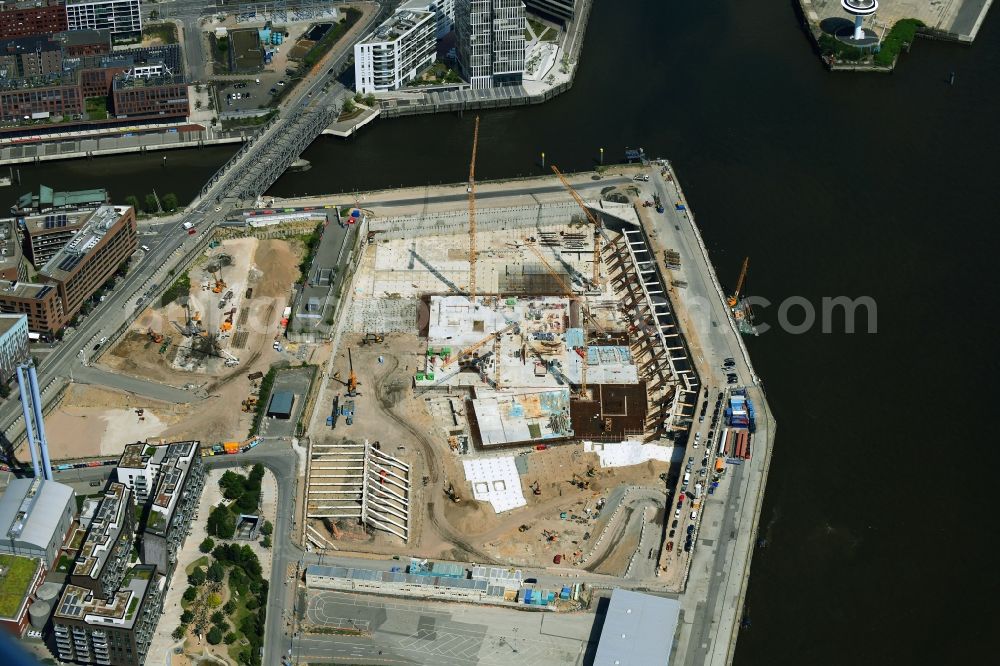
[(536, 488), (220, 284), (154, 336), (452, 493)]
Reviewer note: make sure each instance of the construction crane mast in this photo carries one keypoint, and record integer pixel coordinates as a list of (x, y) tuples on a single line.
[(583, 395), (735, 298), (598, 227), (352, 379), (472, 213)]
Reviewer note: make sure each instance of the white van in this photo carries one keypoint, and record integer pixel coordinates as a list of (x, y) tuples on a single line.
[(687, 477), (144, 248), (694, 516)]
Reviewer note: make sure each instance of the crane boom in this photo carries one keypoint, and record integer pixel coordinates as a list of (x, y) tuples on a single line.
[(472, 213), (735, 298), (586, 313), (473, 348), (598, 228)]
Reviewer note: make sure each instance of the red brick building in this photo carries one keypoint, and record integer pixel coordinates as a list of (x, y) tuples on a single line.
[(32, 17), (58, 99), (153, 96)]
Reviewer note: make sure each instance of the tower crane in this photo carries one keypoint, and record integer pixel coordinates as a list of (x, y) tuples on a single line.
[(473, 348), (598, 227), (585, 308), (735, 298), (472, 213)]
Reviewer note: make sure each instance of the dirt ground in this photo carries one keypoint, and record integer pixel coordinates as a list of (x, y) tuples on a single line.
[(270, 267), (391, 411), (92, 421)]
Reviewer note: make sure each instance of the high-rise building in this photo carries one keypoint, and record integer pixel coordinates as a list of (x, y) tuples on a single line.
[(396, 52), (168, 479), (560, 10), (105, 552), (112, 632), (490, 41), (13, 343), (122, 17)]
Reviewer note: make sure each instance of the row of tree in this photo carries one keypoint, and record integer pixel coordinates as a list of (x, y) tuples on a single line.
[(168, 202)]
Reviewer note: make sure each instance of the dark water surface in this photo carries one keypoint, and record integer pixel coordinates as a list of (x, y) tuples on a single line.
[(881, 530)]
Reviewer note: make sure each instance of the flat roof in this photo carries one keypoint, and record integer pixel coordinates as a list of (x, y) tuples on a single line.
[(53, 222), (20, 289), (9, 321), (30, 510), (281, 403), (525, 416), (121, 610), (638, 630), (389, 577), (397, 25), (16, 576), (174, 469), (83, 242), (141, 455), (10, 247), (104, 531)]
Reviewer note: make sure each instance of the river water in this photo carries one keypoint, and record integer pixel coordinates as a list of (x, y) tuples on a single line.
[(878, 520)]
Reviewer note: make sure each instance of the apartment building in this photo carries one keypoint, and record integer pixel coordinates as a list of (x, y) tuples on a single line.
[(396, 52), (11, 258), (168, 479), (76, 43), (30, 57), (112, 632), (490, 42), (559, 10), (75, 271), (42, 236), (122, 17), (13, 344), (31, 17), (104, 555)]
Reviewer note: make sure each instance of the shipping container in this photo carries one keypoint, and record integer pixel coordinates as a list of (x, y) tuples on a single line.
[(231, 447)]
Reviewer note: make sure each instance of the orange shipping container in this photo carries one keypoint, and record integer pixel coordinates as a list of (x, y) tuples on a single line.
[(232, 447)]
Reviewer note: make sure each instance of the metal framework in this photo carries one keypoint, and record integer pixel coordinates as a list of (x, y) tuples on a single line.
[(598, 227)]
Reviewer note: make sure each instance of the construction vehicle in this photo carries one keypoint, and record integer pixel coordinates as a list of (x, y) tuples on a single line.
[(451, 493), (735, 298), (249, 405), (472, 213), (352, 380), (598, 227), (590, 472), (154, 336), (227, 323), (580, 482), (219, 283), (372, 338), (536, 488), (550, 535), (523, 528)]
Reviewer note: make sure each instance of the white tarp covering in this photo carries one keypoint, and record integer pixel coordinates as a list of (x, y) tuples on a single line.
[(495, 480), (624, 454)]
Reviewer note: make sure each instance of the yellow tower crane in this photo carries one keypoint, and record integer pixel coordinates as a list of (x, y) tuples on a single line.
[(598, 227), (472, 213), (735, 298)]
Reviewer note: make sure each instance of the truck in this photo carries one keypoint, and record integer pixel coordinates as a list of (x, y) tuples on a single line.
[(187, 225)]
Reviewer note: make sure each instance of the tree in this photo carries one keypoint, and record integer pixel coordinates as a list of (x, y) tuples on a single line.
[(230, 638), (358, 97), (213, 600), (266, 541), (222, 522), (133, 201), (207, 545), (348, 106), (370, 100), (197, 577), (233, 485), (230, 607), (190, 594), (187, 617), (218, 617), (214, 636), (267, 529), (216, 572), (179, 632), (170, 201), (152, 205)]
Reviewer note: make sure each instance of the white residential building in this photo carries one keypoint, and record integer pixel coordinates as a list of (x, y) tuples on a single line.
[(562, 10), (121, 17), (490, 41), (396, 52), (13, 343), (444, 14)]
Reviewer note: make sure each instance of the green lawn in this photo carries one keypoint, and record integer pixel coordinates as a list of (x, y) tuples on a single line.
[(20, 574), (200, 562), (96, 108), (165, 32)]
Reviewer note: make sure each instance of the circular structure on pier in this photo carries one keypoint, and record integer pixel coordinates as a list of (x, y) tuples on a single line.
[(858, 36), (860, 7)]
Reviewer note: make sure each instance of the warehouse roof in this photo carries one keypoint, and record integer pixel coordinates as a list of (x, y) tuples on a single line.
[(281, 404), (30, 510), (638, 629)]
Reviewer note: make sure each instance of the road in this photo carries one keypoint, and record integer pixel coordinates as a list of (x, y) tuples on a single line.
[(317, 96)]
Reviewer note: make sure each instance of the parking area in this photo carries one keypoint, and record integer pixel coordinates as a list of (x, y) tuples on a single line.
[(295, 381), (426, 632)]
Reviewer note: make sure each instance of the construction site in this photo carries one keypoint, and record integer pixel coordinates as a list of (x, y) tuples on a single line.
[(509, 386)]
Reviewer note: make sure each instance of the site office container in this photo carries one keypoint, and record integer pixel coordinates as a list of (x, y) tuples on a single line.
[(231, 447)]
